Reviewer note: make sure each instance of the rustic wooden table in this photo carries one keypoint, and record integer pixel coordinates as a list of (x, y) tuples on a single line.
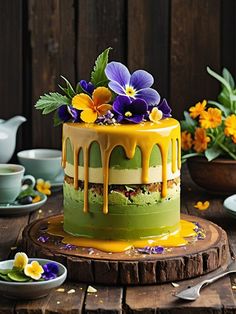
[(219, 297)]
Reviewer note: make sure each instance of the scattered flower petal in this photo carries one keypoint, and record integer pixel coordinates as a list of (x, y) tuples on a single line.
[(71, 291), (202, 205), (43, 187), (155, 115), (91, 289), (175, 285)]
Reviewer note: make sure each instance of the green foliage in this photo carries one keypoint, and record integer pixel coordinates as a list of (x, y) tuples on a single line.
[(68, 90), (51, 102), (98, 76)]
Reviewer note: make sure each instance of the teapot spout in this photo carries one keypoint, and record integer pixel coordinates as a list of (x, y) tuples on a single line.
[(14, 122)]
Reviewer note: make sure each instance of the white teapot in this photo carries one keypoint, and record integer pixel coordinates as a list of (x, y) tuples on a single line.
[(8, 130)]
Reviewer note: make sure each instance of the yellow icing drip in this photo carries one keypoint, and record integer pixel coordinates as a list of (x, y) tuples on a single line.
[(176, 239), (144, 135)]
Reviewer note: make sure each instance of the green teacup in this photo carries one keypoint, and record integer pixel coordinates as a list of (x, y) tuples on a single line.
[(11, 178)]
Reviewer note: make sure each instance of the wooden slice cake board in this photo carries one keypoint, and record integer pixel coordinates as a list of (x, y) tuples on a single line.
[(94, 266)]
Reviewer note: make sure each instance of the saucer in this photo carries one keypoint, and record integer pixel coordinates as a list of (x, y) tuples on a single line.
[(20, 209), (230, 205)]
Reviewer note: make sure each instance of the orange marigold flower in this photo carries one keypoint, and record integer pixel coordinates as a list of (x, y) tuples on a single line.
[(93, 107), (202, 206), (230, 125), (200, 140), (196, 110), (210, 118), (234, 138), (186, 140)]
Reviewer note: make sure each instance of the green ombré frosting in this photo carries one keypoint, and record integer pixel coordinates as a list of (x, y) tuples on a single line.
[(118, 158), (125, 220)]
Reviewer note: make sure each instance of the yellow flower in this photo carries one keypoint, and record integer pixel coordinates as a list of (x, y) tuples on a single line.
[(196, 110), (34, 270), (36, 199), (20, 260), (202, 206), (211, 118), (43, 186), (93, 107), (186, 140), (230, 125), (200, 140), (155, 115)]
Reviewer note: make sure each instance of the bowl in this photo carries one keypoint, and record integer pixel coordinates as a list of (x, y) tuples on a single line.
[(217, 176), (41, 163), (30, 290)]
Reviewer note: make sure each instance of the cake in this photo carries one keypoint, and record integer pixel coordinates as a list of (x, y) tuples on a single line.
[(121, 157)]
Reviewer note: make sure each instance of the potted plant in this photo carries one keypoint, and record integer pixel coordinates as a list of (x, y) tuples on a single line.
[(209, 138)]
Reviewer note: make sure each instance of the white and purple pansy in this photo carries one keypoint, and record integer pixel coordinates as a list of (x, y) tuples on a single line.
[(136, 85)]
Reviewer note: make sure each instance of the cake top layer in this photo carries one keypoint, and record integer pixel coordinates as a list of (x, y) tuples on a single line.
[(112, 96)]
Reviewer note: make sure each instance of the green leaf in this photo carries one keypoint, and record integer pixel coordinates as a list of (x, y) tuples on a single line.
[(17, 275), (69, 91), (220, 79), (98, 75), (225, 110), (229, 78), (50, 102), (213, 152), (4, 277), (224, 98), (27, 192), (186, 156), (56, 120), (4, 271), (78, 88)]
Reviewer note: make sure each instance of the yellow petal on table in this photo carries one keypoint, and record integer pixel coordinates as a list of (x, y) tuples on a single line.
[(101, 95), (34, 270), (155, 115), (20, 260), (102, 109), (82, 101), (89, 115), (201, 205)]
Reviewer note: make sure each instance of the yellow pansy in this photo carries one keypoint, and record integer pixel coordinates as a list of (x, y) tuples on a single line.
[(43, 186), (93, 107), (196, 110), (34, 270), (20, 260), (202, 205), (155, 115)]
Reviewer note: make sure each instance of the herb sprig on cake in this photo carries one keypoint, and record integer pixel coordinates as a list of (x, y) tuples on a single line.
[(112, 96)]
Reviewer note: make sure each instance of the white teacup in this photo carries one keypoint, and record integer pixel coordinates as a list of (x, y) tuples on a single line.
[(41, 163), (11, 178)]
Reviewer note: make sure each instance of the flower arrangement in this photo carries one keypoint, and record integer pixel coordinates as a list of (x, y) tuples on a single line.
[(22, 271), (209, 127), (112, 96)]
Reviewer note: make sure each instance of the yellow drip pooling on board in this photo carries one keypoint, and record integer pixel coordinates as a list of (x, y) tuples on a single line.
[(144, 135), (176, 239)]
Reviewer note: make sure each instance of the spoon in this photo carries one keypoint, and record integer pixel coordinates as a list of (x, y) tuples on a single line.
[(193, 293)]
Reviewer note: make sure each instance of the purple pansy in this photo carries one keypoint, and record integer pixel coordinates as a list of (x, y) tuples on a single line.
[(67, 112), (88, 87), (129, 110), (51, 271), (165, 108), (134, 86)]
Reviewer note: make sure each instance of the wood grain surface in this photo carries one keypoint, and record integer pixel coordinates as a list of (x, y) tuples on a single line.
[(217, 298)]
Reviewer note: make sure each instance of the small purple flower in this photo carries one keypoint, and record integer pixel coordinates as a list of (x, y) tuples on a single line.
[(87, 87), (68, 247), (67, 112), (51, 271), (151, 250), (129, 110), (43, 239), (106, 119), (134, 86)]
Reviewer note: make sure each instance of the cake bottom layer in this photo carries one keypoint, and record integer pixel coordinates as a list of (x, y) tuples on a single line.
[(123, 221)]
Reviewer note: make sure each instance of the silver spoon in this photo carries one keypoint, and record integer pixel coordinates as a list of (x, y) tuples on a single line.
[(193, 293)]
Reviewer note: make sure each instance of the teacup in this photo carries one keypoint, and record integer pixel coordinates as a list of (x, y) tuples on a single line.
[(41, 163), (11, 179)]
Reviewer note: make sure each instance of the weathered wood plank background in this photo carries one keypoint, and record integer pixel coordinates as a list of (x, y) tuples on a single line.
[(173, 39)]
